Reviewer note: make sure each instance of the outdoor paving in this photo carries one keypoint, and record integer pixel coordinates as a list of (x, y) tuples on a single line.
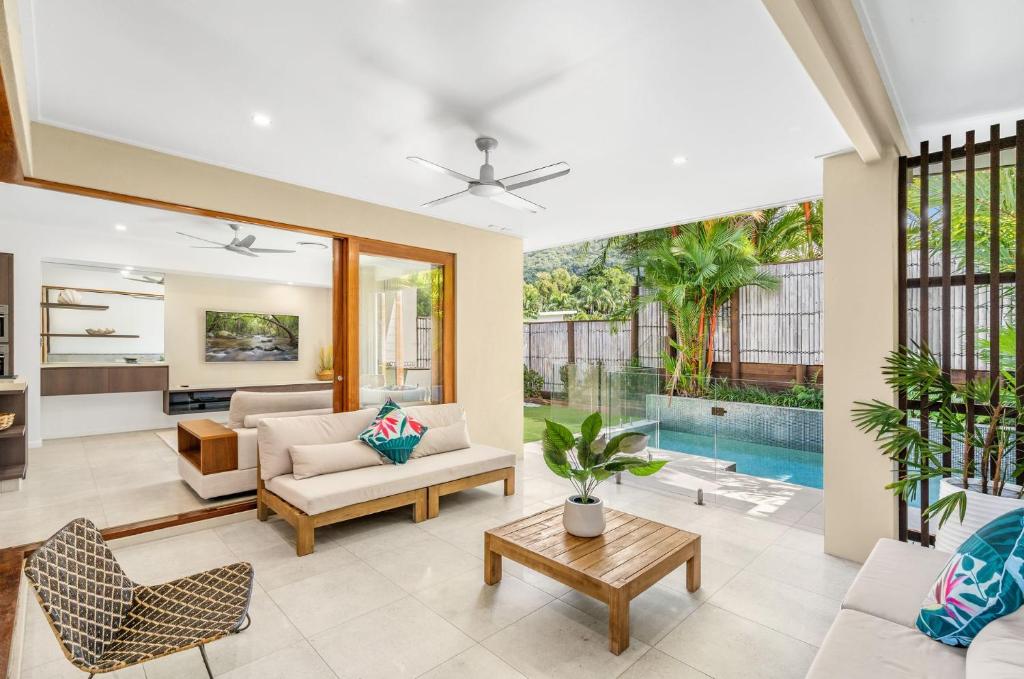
[(383, 597)]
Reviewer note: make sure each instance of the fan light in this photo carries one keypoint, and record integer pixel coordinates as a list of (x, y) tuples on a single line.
[(261, 120), (679, 160), (120, 227)]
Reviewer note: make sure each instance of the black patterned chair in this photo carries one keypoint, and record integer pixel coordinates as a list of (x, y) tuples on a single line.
[(105, 622)]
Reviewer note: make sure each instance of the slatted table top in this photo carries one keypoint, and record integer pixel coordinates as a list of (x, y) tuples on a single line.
[(632, 553)]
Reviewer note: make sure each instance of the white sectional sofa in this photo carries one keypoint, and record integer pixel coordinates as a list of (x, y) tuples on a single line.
[(307, 503), (874, 636), (246, 410)]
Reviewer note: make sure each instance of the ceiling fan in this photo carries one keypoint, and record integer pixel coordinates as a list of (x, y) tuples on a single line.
[(240, 245), (496, 189)]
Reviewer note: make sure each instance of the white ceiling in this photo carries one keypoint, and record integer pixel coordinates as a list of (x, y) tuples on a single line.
[(949, 65), (615, 88), (68, 228)]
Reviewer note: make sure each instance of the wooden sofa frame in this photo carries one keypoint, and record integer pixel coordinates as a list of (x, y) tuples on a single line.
[(425, 504)]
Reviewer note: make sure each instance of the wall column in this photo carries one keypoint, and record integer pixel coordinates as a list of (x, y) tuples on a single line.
[(860, 329)]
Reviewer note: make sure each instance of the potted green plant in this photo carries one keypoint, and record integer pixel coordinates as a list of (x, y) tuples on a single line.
[(325, 364), (586, 461), (980, 489)]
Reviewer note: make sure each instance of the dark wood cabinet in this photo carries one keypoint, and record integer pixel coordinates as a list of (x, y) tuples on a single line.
[(71, 381)]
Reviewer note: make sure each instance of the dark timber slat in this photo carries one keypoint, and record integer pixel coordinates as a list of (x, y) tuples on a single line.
[(969, 348), (961, 151), (925, 274), (994, 301), (947, 265), (1018, 287), (1005, 277), (901, 273)]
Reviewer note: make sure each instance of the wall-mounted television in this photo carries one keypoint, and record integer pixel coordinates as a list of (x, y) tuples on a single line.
[(233, 336)]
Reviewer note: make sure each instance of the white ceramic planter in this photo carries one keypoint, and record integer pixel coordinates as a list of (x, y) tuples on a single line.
[(583, 520), (981, 509)]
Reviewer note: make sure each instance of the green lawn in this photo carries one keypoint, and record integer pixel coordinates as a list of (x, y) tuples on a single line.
[(534, 416)]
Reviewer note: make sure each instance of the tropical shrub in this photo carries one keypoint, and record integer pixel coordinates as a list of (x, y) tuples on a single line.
[(796, 396), (533, 383)]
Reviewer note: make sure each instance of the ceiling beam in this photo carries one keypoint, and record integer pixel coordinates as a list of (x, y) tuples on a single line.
[(828, 39), (15, 138)]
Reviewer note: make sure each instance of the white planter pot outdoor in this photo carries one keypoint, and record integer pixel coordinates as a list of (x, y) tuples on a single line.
[(583, 520), (981, 509)]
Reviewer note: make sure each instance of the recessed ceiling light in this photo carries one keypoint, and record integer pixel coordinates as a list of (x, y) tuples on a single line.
[(126, 273), (261, 120), (129, 268), (120, 227), (679, 160), (311, 244)]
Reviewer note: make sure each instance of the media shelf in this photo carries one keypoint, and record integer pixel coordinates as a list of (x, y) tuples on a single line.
[(187, 400)]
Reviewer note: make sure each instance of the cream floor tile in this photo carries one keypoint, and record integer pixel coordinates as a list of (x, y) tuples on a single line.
[(41, 491), (297, 660), (62, 669), (657, 665), (270, 631), (476, 661), (714, 574), (19, 526), (813, 521), (800, 614), (424, 563), (376, 535), (802, 540), (727, 646), (561, 641), (135, 474), (137, 503), (652, 615), (820, 573), (277, 566), (348, 591), (534, 579), (250, 536), (162, 560), (40, 646), (402, 639), (480, 610)]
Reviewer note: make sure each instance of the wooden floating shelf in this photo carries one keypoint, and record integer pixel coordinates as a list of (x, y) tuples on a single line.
[(13, 431), (84, 334), (86, 307)]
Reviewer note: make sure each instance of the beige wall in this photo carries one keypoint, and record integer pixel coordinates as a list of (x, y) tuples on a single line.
[(860, 329), (186, 300), (488, 265)]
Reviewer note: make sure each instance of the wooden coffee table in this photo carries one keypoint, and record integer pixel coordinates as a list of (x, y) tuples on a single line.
[(631, 555)]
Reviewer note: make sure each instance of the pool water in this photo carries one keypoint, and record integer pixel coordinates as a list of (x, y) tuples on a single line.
[(756, 459)]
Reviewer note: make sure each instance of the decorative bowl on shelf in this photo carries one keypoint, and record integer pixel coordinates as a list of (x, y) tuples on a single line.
[(6, 420), (99, 332)]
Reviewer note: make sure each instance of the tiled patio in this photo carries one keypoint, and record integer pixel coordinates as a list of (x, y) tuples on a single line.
[(383, 597)]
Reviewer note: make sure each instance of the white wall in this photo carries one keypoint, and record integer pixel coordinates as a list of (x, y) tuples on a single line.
[(189, 297)]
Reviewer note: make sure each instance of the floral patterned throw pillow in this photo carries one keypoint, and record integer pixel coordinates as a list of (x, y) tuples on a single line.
[(393, 434), (983, 581)]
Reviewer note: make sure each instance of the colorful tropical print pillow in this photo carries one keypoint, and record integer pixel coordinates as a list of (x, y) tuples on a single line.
[(983, 581), (393, 434)]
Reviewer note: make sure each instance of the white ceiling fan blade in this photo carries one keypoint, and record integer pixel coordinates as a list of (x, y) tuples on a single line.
[(270, 250), (446, 199), (182, 233), (518, 202), (541, 174), (438, 168), (207, 247)]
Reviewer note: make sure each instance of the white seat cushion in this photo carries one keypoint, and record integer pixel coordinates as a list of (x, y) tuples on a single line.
[(861, 646), (997, 652), (894, 580), (253, 421), (320, 494), (277, 434), (246, 448)]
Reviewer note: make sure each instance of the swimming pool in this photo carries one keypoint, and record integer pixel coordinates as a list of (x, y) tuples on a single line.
[(771, 462)]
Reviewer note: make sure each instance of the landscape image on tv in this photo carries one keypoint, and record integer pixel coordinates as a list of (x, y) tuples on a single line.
[(232, 336)]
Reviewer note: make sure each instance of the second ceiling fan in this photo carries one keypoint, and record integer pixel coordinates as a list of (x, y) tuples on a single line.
[(486, 186)]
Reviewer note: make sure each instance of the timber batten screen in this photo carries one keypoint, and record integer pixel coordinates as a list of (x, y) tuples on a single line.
[(958, 290)]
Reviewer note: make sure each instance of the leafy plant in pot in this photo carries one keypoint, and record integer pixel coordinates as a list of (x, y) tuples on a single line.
[(586, 461), (980, 489)]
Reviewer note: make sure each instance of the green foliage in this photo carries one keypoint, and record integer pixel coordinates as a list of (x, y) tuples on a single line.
[(602, 294), (590, 458), (796, 396), (533, 383), (916, 372), (248, 324)]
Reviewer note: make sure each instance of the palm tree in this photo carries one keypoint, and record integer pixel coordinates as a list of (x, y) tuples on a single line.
[(692, 275), (786, 233)]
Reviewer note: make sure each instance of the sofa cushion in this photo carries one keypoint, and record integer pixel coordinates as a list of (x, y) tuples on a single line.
[(443, 439), (894, 580), (326, 458), (251, 421), (983, 581), (437, 415), (246, 448), (276, 435), (997, 651), (861, 646), (331, 491), (254, 402), (393, 433)]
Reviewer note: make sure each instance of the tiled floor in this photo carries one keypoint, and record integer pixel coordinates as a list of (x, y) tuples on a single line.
[(113, 478), (383, 597)]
